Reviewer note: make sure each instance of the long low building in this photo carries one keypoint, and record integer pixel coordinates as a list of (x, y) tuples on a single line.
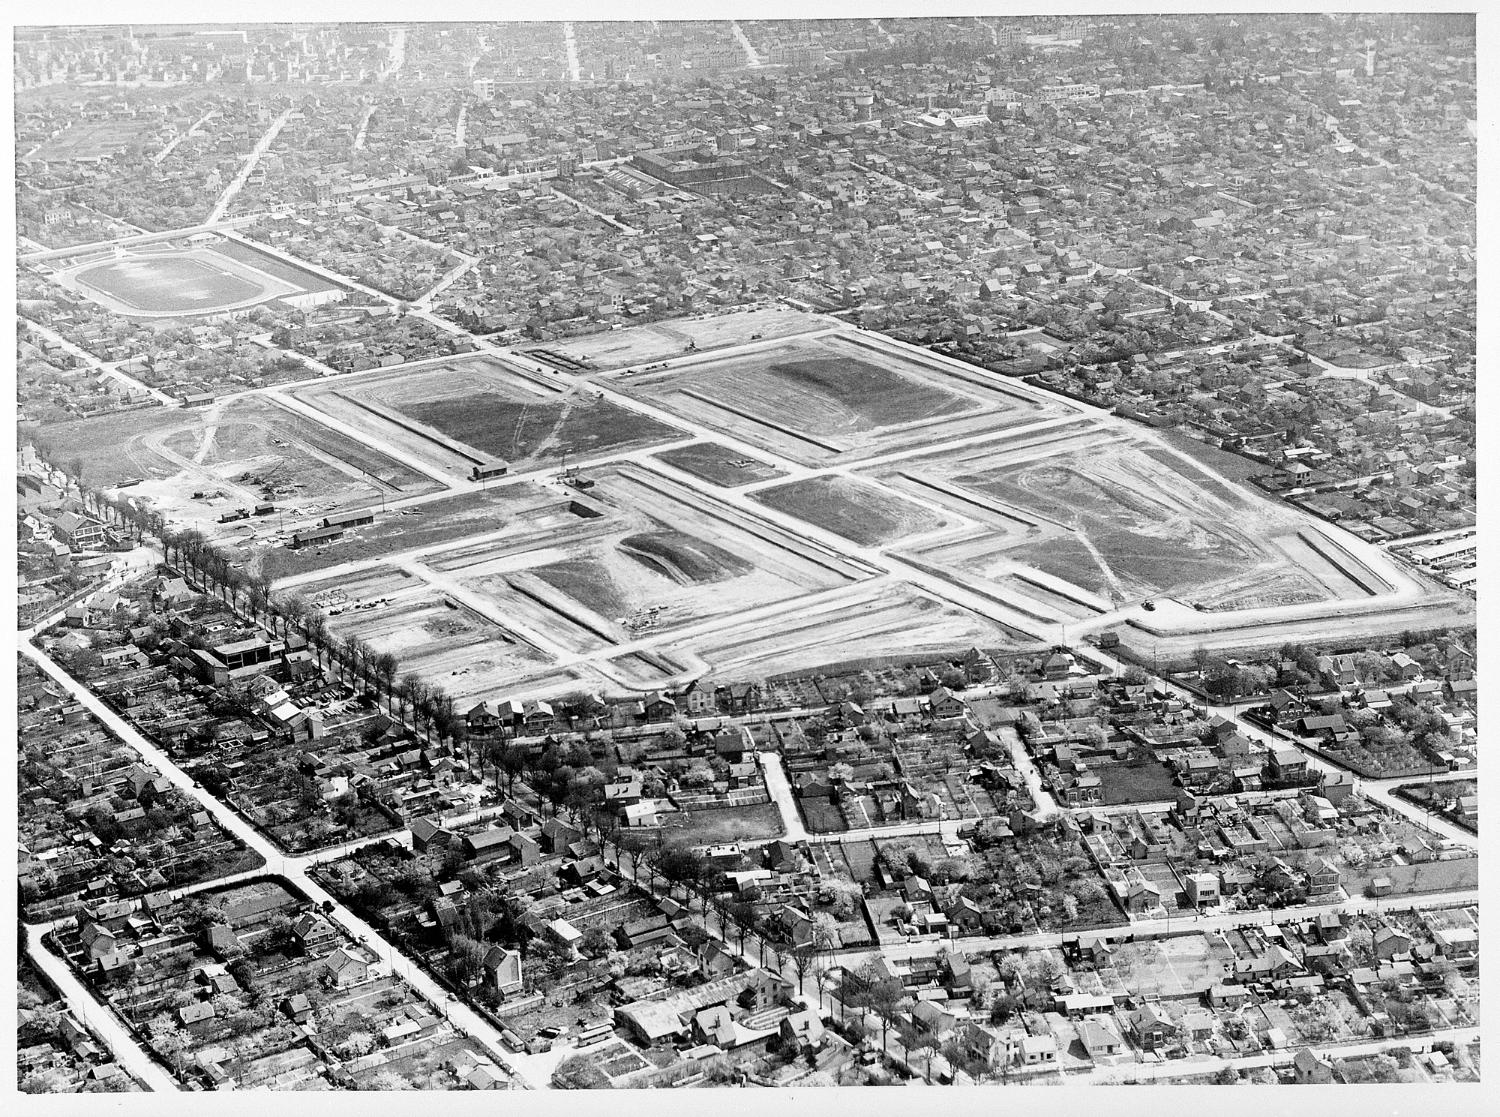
[(315, 535)]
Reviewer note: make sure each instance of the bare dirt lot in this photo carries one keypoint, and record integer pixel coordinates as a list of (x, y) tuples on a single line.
[(862, 512), (719, 465), (657, 559), (238, 454), (661, 340), (842, 394), (458, 414)]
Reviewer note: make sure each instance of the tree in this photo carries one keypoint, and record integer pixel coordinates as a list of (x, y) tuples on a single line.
[(580, 1072)]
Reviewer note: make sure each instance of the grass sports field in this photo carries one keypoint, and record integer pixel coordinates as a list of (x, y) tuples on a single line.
[(165, 284)]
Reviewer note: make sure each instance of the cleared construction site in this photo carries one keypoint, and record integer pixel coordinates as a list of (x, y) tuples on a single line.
[(774, 504)]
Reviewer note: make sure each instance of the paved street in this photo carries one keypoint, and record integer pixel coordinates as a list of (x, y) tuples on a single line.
[(127, 1052), (292, 868)]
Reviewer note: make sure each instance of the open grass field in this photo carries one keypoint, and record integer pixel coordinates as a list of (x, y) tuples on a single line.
[(719, 465), (861, 512), (94, 140)]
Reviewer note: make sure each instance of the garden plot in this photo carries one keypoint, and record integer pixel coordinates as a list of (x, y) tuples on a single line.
[(839, 395), (460, 414)]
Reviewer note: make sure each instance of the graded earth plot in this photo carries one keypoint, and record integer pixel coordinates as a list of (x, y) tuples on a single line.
[(1088, 517), (468, 413), (840, 395), (655, 558), (861, 512), (197, 466), (163, 282), (431, 632), (872, 620), (465, 520), (661, 341), (719, 465)]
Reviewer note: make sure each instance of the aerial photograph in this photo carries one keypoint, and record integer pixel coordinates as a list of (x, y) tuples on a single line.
[(747, 553)]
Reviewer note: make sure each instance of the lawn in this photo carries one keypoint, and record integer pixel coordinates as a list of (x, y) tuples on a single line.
[(719, 465), (867, 515), (532, 430), (724, 824)]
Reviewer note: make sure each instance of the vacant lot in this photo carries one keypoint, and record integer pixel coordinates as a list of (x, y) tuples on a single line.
[(662, 340), (440, 522), (726, 824), (1139, 781), (822, 390), (857, 511), (530, 431), (719, 465), (94, 140)]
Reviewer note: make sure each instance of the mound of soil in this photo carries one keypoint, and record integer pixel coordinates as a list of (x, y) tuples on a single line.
[(685, 560)]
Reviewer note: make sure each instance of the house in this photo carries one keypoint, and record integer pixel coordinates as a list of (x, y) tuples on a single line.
[(427, 835), (487, 844), (1323, 878), (1202, 889), (1100, 1039), (1197, 1025), (1311, 1069), (1141, 895), (344, 968), (502, 970), (931, 1017), (1288, 763), (659, 706), (1151, 1027), (1035, 1051), (558, 835), (79, 532), (482, 719), (196, 1012), (1391, 945), (945, 704), (802, 1030), (485, 1076), (297, 1008)]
